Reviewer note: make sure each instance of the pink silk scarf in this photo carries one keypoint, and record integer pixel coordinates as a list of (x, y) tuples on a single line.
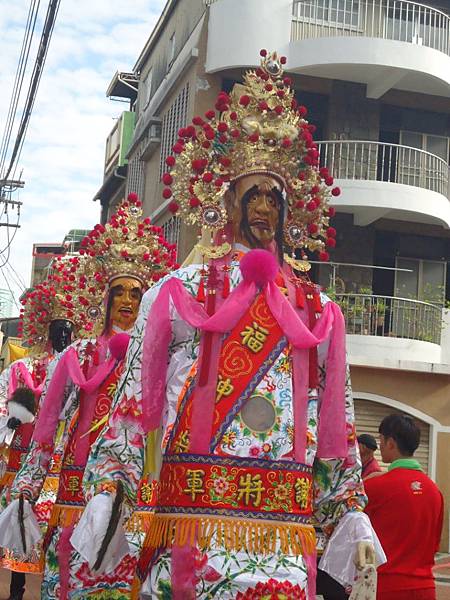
[(330, 325), (68, 368), (20, 373)]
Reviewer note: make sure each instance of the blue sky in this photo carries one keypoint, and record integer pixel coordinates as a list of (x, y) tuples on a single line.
[(63, 156)]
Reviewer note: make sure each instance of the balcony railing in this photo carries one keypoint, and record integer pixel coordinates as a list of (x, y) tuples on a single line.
[(376, 161), (387, 316), (398, 20)]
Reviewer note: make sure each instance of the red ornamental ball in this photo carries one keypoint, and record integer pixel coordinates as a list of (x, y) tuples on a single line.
[(311, 206), (263, 52), (210, 114), (329, 180), (132, 197), (299, 204), (336, 191), (324, 256), (287, 81), (222, 127), (331, 242), (268, 87), (194, 202), (302, 111), (278, 109), (313, 228), (177, 148), (244, 100), (263, 105), (207, 177), (331, 211), (331, 232), (170, 161), (167, 179), (286, 143), (209, 134), (167, 193), (254, 137), (233, 116), (173, 207), (146, 256), (283, 60), (234, 133), (198, 121)]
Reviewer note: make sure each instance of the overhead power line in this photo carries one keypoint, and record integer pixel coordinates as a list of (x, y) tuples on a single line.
[(46, 35), (18, 81)]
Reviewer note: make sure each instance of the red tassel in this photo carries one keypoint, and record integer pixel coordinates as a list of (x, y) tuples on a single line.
[(226, 285), (299, 297), (317, 304), (201, 291)]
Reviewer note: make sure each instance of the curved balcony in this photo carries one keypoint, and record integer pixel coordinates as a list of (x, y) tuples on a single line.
[(409, 45), (388, 326), (381, 43), (388, 180)]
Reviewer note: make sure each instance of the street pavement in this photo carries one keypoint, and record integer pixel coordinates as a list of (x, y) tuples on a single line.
[(442, 574)]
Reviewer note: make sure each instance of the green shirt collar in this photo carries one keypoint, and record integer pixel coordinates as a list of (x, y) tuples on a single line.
[(405, 463)]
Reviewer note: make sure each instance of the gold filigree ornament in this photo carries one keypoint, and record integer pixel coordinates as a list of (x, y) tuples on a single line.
[(298, 265), (257, 129), (213, 252)]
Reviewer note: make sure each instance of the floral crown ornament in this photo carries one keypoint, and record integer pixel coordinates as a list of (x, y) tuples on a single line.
[(44, 304), (260, 129), (126, 246)]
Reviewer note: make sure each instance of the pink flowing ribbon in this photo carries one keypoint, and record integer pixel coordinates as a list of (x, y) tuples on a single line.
[(19, 372), (158, 334), (68, 368)]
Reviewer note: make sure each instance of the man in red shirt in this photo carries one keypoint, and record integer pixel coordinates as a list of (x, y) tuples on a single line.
[(367, 446), (406, 510)]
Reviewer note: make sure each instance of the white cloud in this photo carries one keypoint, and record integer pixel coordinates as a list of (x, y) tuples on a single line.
[(63, 155)]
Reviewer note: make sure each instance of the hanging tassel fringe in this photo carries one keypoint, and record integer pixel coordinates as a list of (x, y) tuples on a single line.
[(261, 537), (299, 297), (201, 297), (317, 304), (226, 285), (65, 516)]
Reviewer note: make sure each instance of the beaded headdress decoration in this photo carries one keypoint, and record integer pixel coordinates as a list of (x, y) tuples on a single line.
[(126, 246), (260, 129)]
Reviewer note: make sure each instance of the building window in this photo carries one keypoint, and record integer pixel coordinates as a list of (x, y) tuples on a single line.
[(423, 280), (172, 121), (171, 230), (171, 54), (344, 13)]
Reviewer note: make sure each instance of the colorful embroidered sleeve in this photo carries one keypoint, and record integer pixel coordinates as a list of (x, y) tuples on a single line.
[(338, 486), (119, 451)]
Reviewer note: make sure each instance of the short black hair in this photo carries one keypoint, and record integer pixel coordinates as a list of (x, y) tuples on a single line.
[(403, 430)]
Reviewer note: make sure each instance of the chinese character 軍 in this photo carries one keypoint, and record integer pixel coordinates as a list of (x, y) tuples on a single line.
[(73, 484), (194, 482), (250, 489), (254, 337), (302, 486)]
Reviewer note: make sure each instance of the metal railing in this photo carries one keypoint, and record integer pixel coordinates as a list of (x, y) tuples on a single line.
[(377, 161), (398, 20), (387, 316)]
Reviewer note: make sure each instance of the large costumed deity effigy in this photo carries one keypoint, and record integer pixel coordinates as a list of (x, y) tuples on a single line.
[(234, 417), (119, 261)]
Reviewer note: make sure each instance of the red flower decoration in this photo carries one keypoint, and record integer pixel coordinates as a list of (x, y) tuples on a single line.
[(273, 590), (336, 191), (244, 100), (170, 161), (167, 193), (173, 207), (167, 179)]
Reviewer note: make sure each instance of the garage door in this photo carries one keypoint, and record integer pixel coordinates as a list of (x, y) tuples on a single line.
[(368, 418)]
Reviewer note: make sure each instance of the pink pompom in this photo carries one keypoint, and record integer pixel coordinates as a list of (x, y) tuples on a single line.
[(259, 266), (118, 345)]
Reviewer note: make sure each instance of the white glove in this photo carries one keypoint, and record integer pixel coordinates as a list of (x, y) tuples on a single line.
[(91, 529), (353, 545), (10, 536)]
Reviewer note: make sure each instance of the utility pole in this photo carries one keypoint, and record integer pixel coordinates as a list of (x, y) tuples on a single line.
[(7, 186)]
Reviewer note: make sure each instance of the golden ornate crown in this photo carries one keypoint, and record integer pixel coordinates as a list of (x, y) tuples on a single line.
[(261, 129), (126, 246), (44, 304)]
